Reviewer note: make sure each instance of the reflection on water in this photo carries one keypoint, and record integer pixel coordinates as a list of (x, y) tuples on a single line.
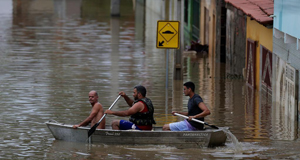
[(53, 52)]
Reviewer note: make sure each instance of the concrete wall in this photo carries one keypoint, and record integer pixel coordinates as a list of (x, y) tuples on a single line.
[(208, 24), (235, 40), (220, 51), (211, 27), (286, 42), (288, 53), (285, 89)]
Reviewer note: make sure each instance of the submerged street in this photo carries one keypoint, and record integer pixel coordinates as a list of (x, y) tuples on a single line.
[(53, 52)]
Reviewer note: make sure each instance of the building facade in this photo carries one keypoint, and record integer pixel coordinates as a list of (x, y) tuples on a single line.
[(286, 41)]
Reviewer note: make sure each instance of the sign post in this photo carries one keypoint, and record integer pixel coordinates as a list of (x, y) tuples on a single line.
[(167, 37)]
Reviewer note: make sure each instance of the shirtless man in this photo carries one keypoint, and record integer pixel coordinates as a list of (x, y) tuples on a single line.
[(96, 113)]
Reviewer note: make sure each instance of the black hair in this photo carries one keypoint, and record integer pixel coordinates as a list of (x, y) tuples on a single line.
[(190, 85), (141, 89)]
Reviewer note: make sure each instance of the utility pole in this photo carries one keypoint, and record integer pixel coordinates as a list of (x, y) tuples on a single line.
[(115, 8), (178, 73)]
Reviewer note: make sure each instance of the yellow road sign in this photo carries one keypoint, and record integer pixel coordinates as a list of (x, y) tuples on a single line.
[(167, 34)]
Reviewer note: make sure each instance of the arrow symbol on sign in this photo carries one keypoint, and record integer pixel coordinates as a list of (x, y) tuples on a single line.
[(161, 43)]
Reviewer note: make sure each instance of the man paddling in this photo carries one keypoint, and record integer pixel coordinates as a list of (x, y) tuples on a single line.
[(96, 113), (141, 111), (196, 109)]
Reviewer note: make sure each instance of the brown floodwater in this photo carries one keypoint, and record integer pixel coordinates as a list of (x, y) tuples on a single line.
[(53, 52)]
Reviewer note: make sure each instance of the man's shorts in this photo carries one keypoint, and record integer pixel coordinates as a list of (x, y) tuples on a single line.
[(126, 125), (182, 126)]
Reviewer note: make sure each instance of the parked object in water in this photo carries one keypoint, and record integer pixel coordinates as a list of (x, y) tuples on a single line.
[(199, 48), (181, 139)]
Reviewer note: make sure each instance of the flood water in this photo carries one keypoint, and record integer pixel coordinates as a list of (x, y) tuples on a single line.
[(53, 52)]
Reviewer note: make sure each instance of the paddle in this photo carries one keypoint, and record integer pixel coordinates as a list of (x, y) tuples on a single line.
[(92, 130), (196, 120)]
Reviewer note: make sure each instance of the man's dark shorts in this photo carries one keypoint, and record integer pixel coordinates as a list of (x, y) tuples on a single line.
[(126, 125)]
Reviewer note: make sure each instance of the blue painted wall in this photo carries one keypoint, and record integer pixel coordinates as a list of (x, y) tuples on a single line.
[(287, 18)]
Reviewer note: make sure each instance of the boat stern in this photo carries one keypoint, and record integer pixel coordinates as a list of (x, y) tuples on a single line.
[(218, 138)]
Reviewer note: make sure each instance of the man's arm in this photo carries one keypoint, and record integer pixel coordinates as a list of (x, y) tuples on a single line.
[(205, 112), (137, 107), (92, 115), (127, 99)]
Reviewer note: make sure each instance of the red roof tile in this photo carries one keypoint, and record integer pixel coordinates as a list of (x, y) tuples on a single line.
[(260, 10)]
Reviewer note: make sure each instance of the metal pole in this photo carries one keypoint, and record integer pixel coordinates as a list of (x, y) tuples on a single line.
[(178, 71), (167, 73), (167, 68)]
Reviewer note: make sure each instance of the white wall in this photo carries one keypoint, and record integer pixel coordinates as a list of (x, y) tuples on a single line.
[(287, 17)]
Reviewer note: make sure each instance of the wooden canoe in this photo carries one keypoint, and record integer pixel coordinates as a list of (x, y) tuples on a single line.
[(179, 139)]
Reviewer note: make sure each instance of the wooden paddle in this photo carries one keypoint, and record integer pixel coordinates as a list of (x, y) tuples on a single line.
[(92, 130), (196, 120)]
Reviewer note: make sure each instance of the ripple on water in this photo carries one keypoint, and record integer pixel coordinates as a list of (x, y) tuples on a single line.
[(247, 150)]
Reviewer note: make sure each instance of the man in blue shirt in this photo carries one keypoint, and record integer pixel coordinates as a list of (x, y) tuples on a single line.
[(196, 109)]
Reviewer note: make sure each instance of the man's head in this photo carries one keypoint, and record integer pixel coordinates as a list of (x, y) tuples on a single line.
[(188, 87), (139, 92), (93, 97)]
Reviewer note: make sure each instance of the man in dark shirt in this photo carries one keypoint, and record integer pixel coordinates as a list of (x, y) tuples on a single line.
[(196, 109)]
